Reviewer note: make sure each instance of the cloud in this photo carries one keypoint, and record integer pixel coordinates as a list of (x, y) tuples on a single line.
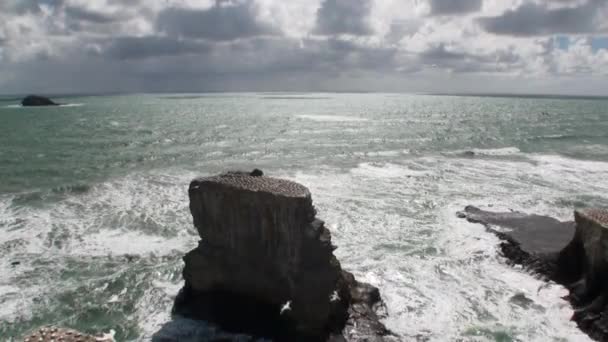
[(344, 17), (384, 45), (21, 7), (532, 19), (440, 56), (224, 21), (127, 48), (83, 14), (454, 7)]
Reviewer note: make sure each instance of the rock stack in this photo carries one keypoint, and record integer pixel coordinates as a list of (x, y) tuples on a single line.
[(265, 265), (574, 254)]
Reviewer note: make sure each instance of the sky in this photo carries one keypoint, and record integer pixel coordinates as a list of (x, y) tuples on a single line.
[(438, 46)]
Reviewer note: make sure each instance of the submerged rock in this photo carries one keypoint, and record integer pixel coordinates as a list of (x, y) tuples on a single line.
[(36, 101), (574, 254), (265, 266)]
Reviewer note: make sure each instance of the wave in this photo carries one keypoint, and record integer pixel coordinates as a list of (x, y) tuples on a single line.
[(331, 118), (503, 151), (397, 229), (102, 218), (577, 137), (295, 98), (60, 105)]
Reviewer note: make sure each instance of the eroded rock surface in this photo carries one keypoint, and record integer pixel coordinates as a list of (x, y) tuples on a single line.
[(48, 334), (574, 254), (265, 265)]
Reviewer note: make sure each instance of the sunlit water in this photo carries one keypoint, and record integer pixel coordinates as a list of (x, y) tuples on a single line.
[(94, 206)]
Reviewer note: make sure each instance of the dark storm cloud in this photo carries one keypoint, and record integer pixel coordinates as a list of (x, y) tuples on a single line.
[(21, 7), (531, 19), (440, 56), (454, 7), (83, 14), (222, 22), (344, 17), (126, 48)]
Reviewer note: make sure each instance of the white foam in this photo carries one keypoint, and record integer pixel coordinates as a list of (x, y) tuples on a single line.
[(442, 277), (61, 105), (390, 153), (394, 223), (388, 170), (498, 152), (505, 151), (331, 118), (107, 219)]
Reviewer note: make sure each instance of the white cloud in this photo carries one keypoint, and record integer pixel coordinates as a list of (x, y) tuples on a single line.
[(411, 45)]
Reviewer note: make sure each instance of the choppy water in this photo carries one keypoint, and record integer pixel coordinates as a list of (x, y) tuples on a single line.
[(93, 201)]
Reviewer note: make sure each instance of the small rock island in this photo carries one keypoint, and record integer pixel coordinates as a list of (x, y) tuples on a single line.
[(37, 101), (265, 265), (573, 254)]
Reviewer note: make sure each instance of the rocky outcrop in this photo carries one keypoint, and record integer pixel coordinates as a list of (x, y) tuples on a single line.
[(265, 265), (48, 334), (37, 101), (574, 254)]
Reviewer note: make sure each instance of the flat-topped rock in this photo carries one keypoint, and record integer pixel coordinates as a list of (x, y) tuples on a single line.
[(51, 334), (598, 216), (528, 231), (247, 182), (265, 265)]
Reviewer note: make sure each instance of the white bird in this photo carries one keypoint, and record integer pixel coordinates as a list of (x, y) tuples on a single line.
[(107, 337), (286, 307), (334, 297)]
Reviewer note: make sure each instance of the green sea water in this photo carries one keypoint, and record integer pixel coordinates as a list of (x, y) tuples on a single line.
[(94, 207)]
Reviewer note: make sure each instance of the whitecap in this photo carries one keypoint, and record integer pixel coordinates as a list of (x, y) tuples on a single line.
[(331, 118), (504, 151)]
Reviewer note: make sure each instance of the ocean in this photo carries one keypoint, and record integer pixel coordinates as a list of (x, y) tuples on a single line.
[(94, 215)]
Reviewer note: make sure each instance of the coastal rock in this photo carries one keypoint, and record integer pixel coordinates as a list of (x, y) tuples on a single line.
[(48, 334), (574, 254), (37, 101), (265, 265)]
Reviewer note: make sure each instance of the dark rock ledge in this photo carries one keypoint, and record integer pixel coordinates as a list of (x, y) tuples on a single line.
[(265, 265), (37, 101), (574, 254)]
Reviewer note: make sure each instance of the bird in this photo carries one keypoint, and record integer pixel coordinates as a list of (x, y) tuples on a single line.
[(107, 337), (286, 307), (334, 297)]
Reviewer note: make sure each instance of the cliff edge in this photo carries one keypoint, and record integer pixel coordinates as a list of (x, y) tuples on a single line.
[(573, 253), (265, 265)]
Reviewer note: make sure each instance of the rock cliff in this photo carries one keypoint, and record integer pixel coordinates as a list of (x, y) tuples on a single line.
[(574, 254), (265, 265)]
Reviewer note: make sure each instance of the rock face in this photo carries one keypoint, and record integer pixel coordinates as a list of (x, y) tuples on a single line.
[(36, 101), (574, 254), (265, 265)]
